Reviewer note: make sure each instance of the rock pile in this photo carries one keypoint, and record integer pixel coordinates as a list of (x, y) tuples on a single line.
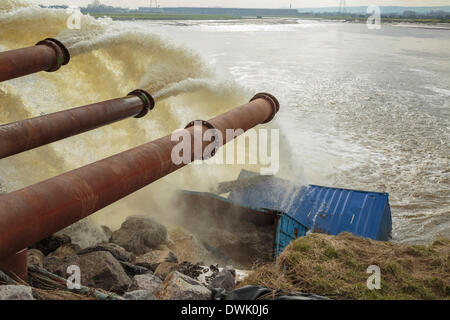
[(136, 264)]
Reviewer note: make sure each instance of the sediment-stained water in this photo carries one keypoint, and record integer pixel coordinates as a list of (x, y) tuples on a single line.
[(361, 109)]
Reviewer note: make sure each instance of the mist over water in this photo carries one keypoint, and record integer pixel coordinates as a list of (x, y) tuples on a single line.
[(360, 109)]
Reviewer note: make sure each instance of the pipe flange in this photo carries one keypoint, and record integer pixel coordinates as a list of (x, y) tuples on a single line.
[(272, 100), (147, 99), (62, 54), (208, 125)]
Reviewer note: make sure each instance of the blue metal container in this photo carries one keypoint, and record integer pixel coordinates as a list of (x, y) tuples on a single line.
[(321, 209), (288, 229)]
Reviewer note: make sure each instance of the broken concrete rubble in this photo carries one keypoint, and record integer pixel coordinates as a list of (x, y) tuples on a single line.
[(178, 286)]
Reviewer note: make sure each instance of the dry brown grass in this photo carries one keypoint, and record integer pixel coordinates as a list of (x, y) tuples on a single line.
[(336, 266)]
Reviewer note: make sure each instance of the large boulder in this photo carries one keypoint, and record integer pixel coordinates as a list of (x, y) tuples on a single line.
[(117, 251), (139, 234), (11, 292), (178, 286), (51, 243), (99, 269), (147, 282), (151, 260), (35, 258), (139, 295)]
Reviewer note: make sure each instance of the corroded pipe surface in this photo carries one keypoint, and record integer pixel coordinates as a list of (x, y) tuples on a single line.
[(35, 212), (47, 55), (31, 133)]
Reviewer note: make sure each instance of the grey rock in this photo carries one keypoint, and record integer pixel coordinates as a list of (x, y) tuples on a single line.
[(151, 260), (51, 243), (148, 282), (35, 258), (12, 292), (223, 280), (139, 234), (117, 251), (178, 286), (139, 295), (99, 269), (133, 270)]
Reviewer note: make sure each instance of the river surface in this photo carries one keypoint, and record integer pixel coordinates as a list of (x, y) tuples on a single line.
[(361, 109)]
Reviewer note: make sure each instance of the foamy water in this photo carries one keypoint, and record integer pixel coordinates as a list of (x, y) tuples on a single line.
[(360, 109), (108, 60)]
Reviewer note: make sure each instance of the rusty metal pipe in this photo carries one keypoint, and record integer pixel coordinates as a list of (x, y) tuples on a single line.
[(35, 212), (31, 133), (47, 55)]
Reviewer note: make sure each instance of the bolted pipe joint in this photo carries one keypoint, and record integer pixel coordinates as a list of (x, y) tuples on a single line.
[(147, 99), (62, 54), (272, 100)]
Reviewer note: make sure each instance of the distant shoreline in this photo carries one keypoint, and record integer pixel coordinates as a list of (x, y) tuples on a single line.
[(153, 16)]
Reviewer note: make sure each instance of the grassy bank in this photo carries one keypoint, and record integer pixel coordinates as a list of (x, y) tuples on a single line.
[(336, 266)]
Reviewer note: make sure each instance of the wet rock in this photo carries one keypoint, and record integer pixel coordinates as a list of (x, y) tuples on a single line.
[(148, 282), (51, 243), (11, 292), (99, 269), (35, 258), (68, 249), (139, 295), (133, 270), (164, 269), (178, 286), (139, 234), (152, 259), (224, 280), (117, 251)]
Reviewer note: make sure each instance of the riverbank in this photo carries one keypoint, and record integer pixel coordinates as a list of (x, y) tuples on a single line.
[(336, 267)]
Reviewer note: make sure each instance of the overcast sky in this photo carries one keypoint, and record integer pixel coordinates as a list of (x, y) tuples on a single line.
[(252, 3)]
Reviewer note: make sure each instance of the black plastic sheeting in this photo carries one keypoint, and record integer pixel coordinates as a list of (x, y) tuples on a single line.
[(262, 293)]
